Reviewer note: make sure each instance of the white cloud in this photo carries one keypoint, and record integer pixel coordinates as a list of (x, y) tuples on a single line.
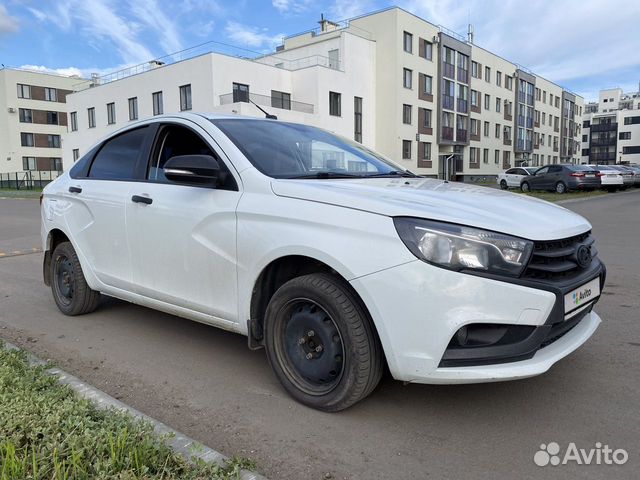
[(8, 24), (67, 72), (247, 36), (149, 13), (291, 6), (345, 9), (39, 14), (573, 42)]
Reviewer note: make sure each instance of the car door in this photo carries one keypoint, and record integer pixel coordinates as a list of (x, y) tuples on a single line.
[(554, 176), (183, 237), (537, 181), (510, 178), (96, 216)]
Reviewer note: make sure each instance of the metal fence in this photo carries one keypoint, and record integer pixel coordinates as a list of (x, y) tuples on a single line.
[(28, 180)]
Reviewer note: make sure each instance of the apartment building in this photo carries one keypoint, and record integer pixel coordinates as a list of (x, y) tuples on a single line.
[(424, 96), (33, 120), (611, 128)]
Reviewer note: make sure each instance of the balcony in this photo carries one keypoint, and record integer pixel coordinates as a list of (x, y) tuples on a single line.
[(602, 156), (447, 133), (604, 127), (448, 70), (463, 75), (448, 102), (529, 122), (266, 101), (524, 145), (463, 105), (521, 120), (461, 135), (506, 140), (508, 116), (603, 141), (530, 100)]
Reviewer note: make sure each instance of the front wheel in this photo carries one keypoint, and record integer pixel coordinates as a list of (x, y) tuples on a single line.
[(69, 287), (561, 187), (525, 187), (503, 185), (321, 343)]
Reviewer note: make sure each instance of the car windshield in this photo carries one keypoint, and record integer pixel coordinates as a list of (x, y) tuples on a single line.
[(289, 150)]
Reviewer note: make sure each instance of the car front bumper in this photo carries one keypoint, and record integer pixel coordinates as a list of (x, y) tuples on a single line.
[(418, 308)]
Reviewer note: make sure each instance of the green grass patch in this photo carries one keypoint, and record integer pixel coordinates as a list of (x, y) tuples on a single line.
[(48, 432), (22, 193), (556, 197)]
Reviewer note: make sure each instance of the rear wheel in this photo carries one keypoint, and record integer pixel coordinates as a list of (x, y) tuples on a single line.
[(503, 185), (561, 187), (70, 290), (525, 187), (321, 344)]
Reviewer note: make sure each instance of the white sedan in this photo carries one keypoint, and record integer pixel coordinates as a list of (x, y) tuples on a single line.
[(335, 260), (513, 177), (612, 179)]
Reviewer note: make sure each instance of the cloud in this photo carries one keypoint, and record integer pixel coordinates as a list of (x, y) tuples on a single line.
[(39, 14), (149, 13), (67, 72), (345, 9), (8, 24), (246, 36), (291, 7)]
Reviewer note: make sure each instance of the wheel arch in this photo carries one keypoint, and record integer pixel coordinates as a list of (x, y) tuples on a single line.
[(54, 238)]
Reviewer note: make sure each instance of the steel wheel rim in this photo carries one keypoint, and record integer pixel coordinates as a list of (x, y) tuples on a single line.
[(64, 279), (302, 326)]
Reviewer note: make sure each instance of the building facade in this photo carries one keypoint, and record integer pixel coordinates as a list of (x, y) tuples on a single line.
[(611, 128), (423, 96), (33, 120)]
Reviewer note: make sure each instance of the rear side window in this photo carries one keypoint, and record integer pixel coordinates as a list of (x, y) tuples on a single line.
[(117, 158), (555, 169)]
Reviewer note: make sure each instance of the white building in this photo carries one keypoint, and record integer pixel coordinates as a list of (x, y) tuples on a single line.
[(33, 119), (428, 98), (611, 128)]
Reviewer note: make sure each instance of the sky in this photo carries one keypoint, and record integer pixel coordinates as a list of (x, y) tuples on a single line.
[(583, 45)]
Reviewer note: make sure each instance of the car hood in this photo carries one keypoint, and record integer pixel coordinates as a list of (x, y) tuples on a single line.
[(453, 202)]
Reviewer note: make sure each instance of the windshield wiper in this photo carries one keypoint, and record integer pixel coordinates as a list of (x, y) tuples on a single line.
[(325, 175), (393, 173)]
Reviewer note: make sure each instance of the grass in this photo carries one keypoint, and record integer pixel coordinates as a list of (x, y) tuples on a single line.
[(557, 197), (48, 432), (22, 193)]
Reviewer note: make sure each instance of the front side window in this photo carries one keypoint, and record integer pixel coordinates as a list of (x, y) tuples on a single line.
[(335, 104), (158, 106), (117, 157), (185, 97), (288, 150)]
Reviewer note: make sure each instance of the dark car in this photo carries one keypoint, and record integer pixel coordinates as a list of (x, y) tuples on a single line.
[(562, 178)]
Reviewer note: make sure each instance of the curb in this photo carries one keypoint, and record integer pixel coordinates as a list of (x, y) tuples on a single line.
[(179, 442)]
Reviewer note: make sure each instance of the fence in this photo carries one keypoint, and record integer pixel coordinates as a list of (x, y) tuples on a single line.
[(28, 180)]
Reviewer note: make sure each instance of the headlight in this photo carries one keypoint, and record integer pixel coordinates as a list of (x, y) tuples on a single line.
[(458, 247)]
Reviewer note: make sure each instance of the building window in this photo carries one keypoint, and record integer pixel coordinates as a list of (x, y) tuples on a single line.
[(74, 121), (631, 120), (56, 164), (52, 118), (487, 74), (335, 104), (26, 139), (26, 115), (334, 59), (426, 118), (53, 141), (497, 130), (407, 42), (426, 150), (407, 78), (91, 113), (240, 92), (426, 50), (280, 100), (474, 126), (50, 94), (428, 85), (28, 163), (496, 157), (585, 138), (631, 150), (24, 91), (357, 119), (158, 105), (406, 149), (406, 114), (474, 155), (185, 97), (499, 79), (76, 154), (508, 82), (474, 98), (474, 69), (111, 113), (498, 102), (485, 155), (622, 136), (487, 102), (133, 108), (487, 126)]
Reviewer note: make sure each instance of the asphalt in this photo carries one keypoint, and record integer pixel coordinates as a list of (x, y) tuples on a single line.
[(205, 383)]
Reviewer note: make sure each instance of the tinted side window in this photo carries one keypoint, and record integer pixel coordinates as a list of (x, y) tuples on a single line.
[(117, 158), (555, 169), (542, 171), (511, 171)]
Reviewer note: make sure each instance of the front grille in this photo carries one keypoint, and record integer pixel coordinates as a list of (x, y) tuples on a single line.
[(559, 258)]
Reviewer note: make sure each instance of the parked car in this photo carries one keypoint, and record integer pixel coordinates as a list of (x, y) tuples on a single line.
[(334, 259), (611, 178), (513, 177), (636, 171), (562, 178), (628, 175)]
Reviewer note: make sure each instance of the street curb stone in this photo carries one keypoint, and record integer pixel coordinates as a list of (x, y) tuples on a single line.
[(179, 442)]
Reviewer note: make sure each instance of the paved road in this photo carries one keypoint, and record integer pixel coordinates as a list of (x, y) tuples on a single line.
[(206, 383)]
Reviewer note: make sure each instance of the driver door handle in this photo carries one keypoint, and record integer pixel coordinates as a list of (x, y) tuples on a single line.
[(75, 190), (141, 199)]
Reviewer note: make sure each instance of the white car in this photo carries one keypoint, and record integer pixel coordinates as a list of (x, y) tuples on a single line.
[(333, 258), (611, 178), (513, 177)]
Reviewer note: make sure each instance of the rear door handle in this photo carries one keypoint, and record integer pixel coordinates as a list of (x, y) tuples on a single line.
[(75, 190), (141, 199)]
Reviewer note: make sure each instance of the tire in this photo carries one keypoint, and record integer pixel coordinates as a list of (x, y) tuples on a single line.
[(525, 187), (321, 344), (69, 287), (561, 188), (503, 185)]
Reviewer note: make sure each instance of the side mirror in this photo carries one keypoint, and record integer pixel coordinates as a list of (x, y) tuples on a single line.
[(192, 169)]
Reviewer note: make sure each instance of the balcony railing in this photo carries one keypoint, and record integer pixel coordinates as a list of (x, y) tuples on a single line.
[(265, 100), (524, 145), (448, 102), (447, 133), (603, 141), (604, 127), (602, 156), (463, 75), (463, 105), (448, 70), (461, 135)]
